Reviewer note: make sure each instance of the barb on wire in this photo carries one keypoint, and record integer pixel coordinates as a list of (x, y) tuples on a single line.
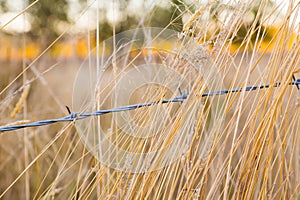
[(79, 116)]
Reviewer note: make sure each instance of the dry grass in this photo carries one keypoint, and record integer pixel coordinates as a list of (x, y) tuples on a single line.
[(247, 149)]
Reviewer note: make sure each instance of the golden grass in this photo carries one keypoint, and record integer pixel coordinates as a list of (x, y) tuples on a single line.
[(21, 101), (248, 149)]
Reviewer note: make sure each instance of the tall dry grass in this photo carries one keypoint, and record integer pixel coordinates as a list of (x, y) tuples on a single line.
[(253, 149)]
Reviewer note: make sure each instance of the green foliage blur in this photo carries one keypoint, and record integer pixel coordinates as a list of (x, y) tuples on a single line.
[(47, 17)]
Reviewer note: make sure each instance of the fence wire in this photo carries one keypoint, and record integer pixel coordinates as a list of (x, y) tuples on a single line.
[(79, 116)]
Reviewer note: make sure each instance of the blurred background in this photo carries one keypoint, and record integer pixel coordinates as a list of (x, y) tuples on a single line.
[(76, 22)]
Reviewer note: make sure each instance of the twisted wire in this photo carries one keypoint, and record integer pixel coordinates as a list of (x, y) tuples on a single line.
[(79, 116)]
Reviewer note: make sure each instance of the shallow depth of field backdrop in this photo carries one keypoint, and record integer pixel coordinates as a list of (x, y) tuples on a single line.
[(242, 145)]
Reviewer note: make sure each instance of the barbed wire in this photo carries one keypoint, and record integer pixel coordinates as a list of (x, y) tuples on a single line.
[(74, 116)]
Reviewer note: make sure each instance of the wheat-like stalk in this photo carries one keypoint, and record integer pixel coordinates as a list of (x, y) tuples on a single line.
[(21, 101)]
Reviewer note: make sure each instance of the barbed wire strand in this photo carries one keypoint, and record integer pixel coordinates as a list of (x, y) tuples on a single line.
[(79, 116)]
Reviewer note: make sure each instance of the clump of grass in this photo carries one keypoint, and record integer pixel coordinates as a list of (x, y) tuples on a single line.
[(253, 149)]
